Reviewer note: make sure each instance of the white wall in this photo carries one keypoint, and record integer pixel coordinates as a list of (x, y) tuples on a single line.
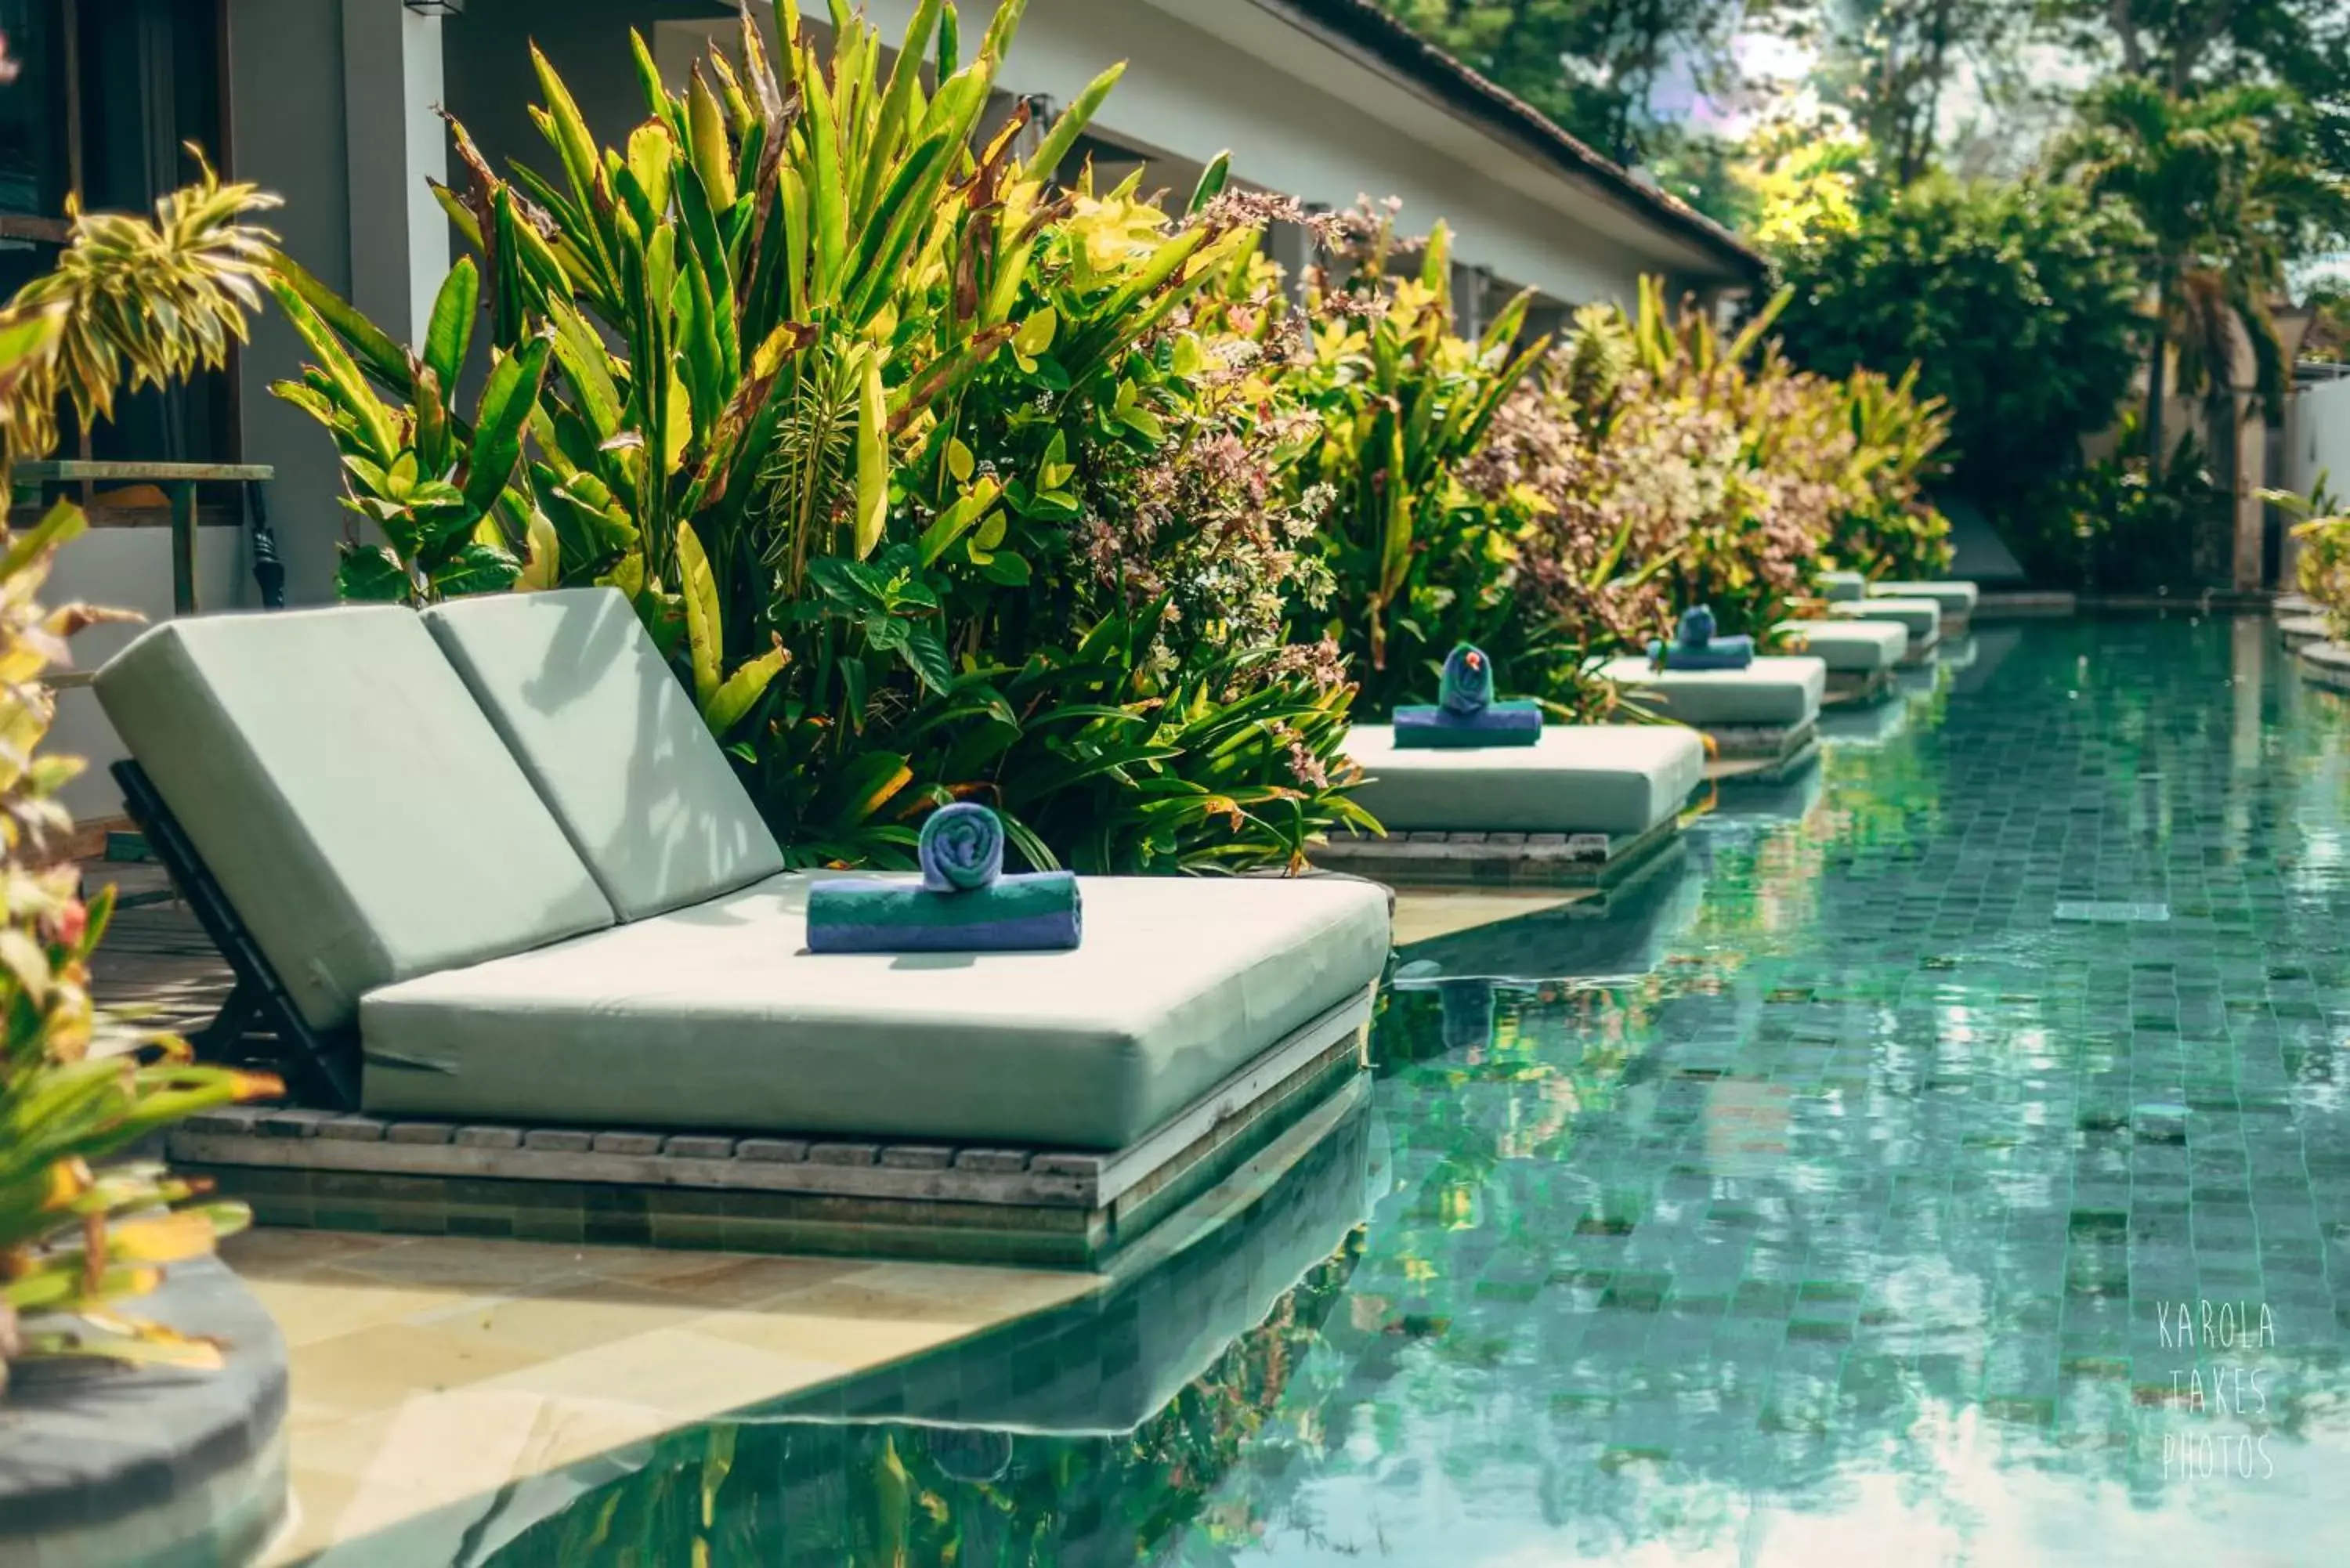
[(287, 134), (2318, 438), (2317, 443)]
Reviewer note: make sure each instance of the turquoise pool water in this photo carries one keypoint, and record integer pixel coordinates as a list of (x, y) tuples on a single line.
[(1945, 1160)]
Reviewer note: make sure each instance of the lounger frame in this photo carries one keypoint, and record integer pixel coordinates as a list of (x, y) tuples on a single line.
[(324, 1063), (770, 1192), (1440, 860)]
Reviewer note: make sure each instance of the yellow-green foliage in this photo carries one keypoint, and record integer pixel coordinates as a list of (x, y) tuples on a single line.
[(143, 304), (2321, 568)]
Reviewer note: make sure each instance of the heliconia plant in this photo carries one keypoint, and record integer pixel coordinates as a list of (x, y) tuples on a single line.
[(838, 384)]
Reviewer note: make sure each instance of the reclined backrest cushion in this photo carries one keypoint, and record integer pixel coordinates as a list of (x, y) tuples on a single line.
[(349, 797), (614, 744)]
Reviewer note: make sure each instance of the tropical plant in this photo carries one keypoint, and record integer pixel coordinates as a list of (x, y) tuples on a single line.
[(2015, 306), (1885, 527), (2228, 197), (142, 304), (1746, 467), (859, 416), (1649, 464), (2322, 565), (2114, 525), (1418, 562)]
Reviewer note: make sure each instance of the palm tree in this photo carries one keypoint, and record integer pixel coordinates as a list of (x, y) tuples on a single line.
[(2226, 199)]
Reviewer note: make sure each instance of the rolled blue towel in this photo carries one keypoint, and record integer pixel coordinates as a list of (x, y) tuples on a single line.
[(1720, 653), (1465, 684), (1036, 912), (961, 847), (965, 902), (1431, 728)]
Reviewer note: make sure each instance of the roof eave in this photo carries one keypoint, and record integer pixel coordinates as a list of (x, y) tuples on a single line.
[(1360, 28)]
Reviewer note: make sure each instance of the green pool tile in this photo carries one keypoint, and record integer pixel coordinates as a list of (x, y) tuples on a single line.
[(1824, 1142)]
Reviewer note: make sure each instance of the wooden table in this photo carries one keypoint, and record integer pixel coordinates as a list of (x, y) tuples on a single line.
[(179, 481)]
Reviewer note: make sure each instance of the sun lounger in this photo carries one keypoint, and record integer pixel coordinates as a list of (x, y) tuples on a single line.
[(2300, 630), (1763, 720), (493, 853), (1956, 599), (1583, 807), (1842, 587), (2324, 663), (1860, 654), (1921, 618)]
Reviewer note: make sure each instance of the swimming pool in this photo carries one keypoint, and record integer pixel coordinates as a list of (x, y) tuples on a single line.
[(1945, 1159)]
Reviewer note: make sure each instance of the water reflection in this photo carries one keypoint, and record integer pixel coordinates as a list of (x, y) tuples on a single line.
[(1865, 724)]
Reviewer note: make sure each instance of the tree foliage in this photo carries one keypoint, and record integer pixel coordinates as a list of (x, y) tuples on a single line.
[(1593, 66), (2015, 302), (2228, 194)]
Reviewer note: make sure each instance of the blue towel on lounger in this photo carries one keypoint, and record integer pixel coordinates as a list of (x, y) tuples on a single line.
[(1515, 723), (1465, 714), (1696, 648), (965, 902)]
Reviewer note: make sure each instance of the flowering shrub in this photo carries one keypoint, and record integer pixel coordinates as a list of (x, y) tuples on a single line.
[(1660, 466)]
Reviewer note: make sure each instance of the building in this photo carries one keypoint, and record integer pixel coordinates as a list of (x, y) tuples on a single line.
[(335, 105)]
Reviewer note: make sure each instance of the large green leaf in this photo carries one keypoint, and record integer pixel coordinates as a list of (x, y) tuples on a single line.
[(369, 344), (372, 574), (704, 632), (450, 329), (507, 402), (872, 459), (739, 692), (478, 567)]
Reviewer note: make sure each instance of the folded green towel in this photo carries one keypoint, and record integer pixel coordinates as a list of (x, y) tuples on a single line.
[(1012, 914)]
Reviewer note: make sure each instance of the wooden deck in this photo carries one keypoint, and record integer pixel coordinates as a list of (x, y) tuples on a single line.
[(155, 963)]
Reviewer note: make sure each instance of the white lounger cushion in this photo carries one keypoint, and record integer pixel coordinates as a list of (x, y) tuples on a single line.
[(1921, 618), (1840, 587), (1775, 691), (719, 1017), (1955, 597), (1849, 647), (354, 804), (613, 744), (1617, 779)]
